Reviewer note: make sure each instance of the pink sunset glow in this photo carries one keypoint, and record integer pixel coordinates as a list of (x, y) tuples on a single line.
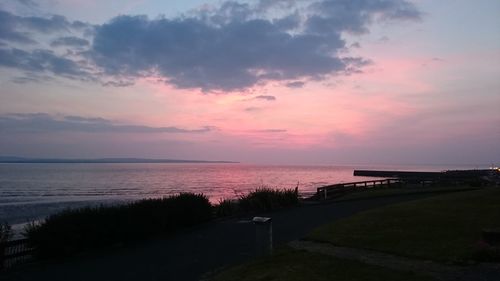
[(399, 85)]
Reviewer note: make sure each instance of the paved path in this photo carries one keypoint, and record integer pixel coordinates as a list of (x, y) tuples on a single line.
[(189, 255)]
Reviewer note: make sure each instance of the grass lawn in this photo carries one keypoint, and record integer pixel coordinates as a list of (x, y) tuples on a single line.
[(444, 228), (289, 265)]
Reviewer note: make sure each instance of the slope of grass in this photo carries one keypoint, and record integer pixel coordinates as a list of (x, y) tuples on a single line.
[(290, 265), (444, 228)]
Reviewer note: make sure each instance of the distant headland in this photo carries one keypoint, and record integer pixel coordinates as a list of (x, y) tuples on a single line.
[(13, 159)]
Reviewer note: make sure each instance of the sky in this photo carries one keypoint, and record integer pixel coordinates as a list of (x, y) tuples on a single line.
[(262, 81)]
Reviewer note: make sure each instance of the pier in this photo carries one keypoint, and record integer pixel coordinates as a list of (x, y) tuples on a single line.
[(476, 177), (398, 174)]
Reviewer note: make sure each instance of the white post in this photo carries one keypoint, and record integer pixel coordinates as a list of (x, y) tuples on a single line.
[(263, 235)]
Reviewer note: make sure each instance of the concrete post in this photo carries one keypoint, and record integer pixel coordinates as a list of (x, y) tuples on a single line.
[(263, 235)]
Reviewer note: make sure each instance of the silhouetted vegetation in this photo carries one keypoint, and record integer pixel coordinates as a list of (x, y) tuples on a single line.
[(74, 230), (266, 199), (5, 232), (226, 207), (261, 200)]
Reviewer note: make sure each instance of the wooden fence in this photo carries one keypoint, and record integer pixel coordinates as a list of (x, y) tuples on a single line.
[(337, 190), (14, 252)]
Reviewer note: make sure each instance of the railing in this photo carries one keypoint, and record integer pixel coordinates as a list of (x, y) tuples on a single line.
[(14, 252), (337, 190)]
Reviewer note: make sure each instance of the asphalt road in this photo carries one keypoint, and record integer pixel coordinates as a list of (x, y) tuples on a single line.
[(191, 254)]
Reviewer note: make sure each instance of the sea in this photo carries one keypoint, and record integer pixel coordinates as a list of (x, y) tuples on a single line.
[(30, 192)]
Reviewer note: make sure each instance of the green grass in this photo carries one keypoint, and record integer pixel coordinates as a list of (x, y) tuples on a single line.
[(289, 265), (444, 228)]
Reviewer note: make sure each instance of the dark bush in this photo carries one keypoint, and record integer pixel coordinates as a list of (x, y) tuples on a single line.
[(74, 230), (5, 232), (226, 207), (266, 199)]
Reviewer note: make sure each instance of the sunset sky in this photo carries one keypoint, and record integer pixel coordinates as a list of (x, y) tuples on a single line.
[(269, 81)]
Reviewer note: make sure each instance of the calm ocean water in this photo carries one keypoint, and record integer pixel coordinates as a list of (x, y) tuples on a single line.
[(32, 191)]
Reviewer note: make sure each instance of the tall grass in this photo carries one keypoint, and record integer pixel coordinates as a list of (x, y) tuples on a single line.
[(226, 207), (267, 199), (74, 230), (261, 200)]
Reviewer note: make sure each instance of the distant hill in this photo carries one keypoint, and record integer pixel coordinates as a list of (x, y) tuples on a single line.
[(13, 159)]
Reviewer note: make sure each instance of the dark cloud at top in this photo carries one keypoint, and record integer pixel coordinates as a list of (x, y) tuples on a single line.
[(191, 54), (41, 122), (231, 47)]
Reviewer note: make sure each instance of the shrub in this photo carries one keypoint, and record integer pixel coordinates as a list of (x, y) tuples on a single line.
[(266, 199), (226, 207), (74, 230), (5, 232)]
